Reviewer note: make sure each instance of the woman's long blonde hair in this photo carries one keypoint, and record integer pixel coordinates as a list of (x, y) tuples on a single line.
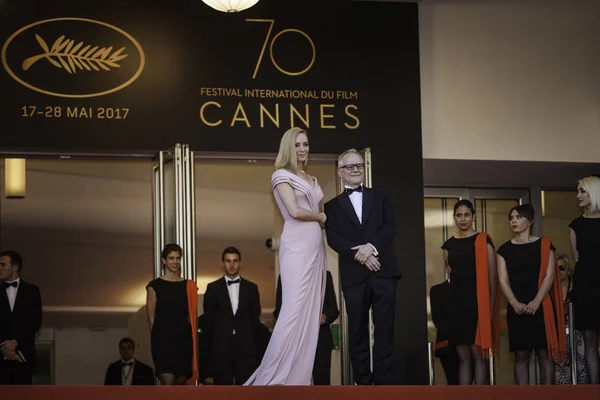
[(591, 184), (287, 158)]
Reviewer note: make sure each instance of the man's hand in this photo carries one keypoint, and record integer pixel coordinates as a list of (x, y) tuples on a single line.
[(364, 252), (9, 355), (323, 319), (372, 264), (10, 345)]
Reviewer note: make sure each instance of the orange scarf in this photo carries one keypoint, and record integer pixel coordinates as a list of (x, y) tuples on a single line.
[(192, 296), (487, 336), (554, 311)]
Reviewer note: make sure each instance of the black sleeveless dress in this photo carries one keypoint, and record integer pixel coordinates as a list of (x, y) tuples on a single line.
[(585, 294), (171, 336), (523, 261), (463, 315)]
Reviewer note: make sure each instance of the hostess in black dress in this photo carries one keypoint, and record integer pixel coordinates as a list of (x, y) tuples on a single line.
[(585, 294), (523, 261), (463, 313), (171, 336)]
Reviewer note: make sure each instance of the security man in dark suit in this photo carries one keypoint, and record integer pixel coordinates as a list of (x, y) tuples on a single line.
[(20, 320), (322, 367), (231, 323), (128, 370)]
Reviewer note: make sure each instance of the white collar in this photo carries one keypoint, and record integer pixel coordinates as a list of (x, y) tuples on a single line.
[(18, 280), (231, 279)]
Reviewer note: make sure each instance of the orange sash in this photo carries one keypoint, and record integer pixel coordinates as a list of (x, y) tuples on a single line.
[(554, 311), (192, 296), (487, 336)]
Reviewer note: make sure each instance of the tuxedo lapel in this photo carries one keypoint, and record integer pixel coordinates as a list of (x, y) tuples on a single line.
[(4, 299), (224, 296), (366, 205), (349, 209), (243, 293), (21, 294)]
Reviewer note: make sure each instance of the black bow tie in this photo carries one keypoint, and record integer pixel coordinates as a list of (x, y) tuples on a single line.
[(350, 190), (124, 364), (233, 281), (9, 284)]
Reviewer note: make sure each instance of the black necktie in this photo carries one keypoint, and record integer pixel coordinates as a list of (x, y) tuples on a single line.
[(9, 284), (350, 190), (233, 281)]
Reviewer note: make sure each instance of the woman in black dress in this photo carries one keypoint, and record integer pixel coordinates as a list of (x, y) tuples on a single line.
[(585, 295), (471, 295), (519, 270), (171, 306)]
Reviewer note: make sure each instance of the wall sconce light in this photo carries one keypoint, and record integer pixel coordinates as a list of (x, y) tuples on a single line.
[(14, 178), (543, 204), (230, 6)]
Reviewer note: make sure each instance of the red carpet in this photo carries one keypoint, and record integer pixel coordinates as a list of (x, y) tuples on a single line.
[(581, 392)]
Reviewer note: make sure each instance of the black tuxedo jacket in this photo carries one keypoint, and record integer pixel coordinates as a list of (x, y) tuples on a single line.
[(330, 309), (142, 374), (24, 321), (440, 307), (378, 227), (219, 321)]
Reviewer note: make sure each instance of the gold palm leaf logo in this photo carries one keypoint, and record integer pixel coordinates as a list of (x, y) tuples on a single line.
[(67, 55)]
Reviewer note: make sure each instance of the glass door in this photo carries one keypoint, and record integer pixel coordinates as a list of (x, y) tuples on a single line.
[(174, 210)]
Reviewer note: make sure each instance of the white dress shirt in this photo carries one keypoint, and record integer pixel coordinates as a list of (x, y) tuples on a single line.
[(234, 294), (11, 292), (356, 198), (127, 373)]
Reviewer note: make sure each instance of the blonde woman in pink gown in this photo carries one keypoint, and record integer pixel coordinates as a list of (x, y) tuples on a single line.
[(290, 355)]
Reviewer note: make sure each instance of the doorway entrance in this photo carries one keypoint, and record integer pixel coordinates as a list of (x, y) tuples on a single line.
[(491, 207)]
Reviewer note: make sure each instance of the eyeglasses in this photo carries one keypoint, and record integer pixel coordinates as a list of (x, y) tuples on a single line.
[(351, 167)]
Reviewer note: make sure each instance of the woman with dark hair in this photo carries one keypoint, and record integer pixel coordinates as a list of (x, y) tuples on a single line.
[(473, 288), (171, 307), (529, 280), (585, 295)]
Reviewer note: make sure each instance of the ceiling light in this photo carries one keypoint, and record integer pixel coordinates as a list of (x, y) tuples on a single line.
[(14, 178), (230, 6)]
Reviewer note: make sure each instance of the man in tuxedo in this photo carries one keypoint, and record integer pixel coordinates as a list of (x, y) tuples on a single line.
[(440, 307), (232, 320), (20, 319), (361, 227), (322, 368), (128, 371)]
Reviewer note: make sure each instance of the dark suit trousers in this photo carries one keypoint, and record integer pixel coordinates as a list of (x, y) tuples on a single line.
[(322, 368), (234, 364), (380, 294), (15, 373)]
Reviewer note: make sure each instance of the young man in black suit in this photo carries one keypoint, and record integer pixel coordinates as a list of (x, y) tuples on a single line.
[(322, 367), (232, 320), (438, 300), (128, 371), (20, 319), (361, 227)]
